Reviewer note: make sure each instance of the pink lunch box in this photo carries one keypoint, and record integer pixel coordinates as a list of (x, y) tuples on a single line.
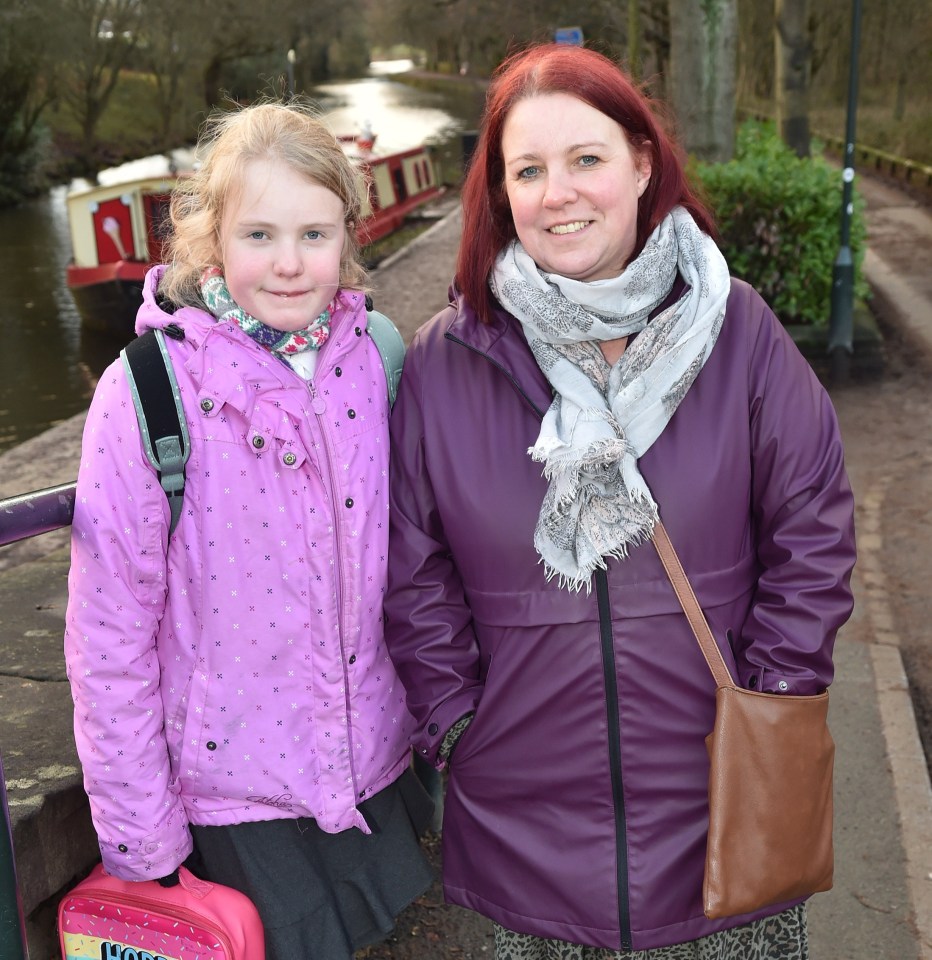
[(104, 918)]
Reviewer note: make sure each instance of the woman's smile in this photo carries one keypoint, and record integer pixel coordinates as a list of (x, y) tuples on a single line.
[(574, 227)]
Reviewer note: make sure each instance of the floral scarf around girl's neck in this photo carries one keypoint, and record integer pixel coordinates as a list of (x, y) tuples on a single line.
[(221, 304), (602, 421)]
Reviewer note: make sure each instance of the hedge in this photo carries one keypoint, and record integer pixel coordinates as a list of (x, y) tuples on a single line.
[(779, 218)]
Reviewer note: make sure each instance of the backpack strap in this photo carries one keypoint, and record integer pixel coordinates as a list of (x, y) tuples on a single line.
[(158, 401), (161, 418), (391, 347)]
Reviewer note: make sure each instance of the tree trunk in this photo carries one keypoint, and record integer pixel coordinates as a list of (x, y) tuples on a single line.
[(211, 81), (755, 53), (634, 38), (792, 52), (899, 106), (703, 43)]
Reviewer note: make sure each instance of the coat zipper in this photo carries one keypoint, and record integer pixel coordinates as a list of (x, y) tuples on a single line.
[(341, 587), (498, 366), (611, 706), (169, 911), (614, 755)]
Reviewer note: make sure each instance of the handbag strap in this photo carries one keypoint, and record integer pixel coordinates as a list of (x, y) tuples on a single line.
[(695, 616)]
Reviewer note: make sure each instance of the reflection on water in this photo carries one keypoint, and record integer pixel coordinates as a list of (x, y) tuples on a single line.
[(49, 364), (416, 116), (403, 116), (44, 374)]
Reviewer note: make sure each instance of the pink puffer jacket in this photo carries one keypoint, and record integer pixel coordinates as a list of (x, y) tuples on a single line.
[(238, 672)]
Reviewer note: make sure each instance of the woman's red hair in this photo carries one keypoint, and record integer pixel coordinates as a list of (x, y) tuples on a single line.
[(597, 81)]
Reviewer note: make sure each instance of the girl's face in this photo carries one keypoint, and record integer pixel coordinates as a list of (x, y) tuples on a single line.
[(573, 183), (282, 241)]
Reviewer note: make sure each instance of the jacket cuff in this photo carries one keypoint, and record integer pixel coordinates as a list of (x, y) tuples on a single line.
[(430, 737), (150, 857), (765, 680)]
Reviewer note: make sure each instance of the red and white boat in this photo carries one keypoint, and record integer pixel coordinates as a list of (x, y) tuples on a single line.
[(118, 231)]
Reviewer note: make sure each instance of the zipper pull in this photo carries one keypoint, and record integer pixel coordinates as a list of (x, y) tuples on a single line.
[(318, 404)]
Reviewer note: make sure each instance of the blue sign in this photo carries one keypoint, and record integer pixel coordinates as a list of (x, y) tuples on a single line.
[(572, 35)]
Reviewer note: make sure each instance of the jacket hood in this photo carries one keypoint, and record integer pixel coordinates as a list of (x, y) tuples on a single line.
[(154, 315), (465, 325)]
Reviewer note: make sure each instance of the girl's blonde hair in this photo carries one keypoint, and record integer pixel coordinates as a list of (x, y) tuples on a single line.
[(290, 133)]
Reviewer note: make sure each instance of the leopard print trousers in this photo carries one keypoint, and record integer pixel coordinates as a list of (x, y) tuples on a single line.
[(781, 937)]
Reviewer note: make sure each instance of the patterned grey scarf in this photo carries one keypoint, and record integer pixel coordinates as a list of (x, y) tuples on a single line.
[(603, 419)]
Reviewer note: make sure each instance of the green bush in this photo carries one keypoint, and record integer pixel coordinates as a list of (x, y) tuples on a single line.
[(779, 217)]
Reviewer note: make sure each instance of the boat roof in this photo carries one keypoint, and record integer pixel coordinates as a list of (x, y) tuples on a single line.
[(160, 184)]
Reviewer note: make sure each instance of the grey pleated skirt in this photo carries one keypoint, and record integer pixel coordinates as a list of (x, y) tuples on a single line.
[(322, 896)]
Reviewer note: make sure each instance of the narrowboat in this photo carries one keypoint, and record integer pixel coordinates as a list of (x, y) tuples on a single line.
[(119, 230)]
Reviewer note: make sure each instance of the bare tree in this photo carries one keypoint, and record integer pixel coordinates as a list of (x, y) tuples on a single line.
[(174, 44), (248, 30), (703, 43), (634, 38), (755, 53), (182, 43), (655, 45), (792, 57), (103, 39), (831, 23), (484, 31), (896, 38), (28, 53), (25, 55), (329, 37)]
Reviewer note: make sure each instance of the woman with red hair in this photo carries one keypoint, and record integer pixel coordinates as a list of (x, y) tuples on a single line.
[(597, 369)]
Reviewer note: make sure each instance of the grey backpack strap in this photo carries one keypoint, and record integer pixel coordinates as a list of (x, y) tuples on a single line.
[(161, 418), (391, 347)]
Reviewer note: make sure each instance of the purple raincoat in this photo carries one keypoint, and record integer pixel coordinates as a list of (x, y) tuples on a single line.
[(576, 806)]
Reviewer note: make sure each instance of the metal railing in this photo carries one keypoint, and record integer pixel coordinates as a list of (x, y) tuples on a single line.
[(21, 517), (912, 171), (32, 514)]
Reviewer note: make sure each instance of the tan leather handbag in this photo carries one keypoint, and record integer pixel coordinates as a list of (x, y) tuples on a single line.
[(770, 782)]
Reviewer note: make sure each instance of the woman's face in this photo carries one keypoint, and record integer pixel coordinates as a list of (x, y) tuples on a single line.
[(573, 183)]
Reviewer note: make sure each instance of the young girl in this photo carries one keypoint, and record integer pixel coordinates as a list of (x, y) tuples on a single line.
[(233, 694)]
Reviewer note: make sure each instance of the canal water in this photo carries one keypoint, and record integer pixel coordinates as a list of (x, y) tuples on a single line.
[(49, 364)]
